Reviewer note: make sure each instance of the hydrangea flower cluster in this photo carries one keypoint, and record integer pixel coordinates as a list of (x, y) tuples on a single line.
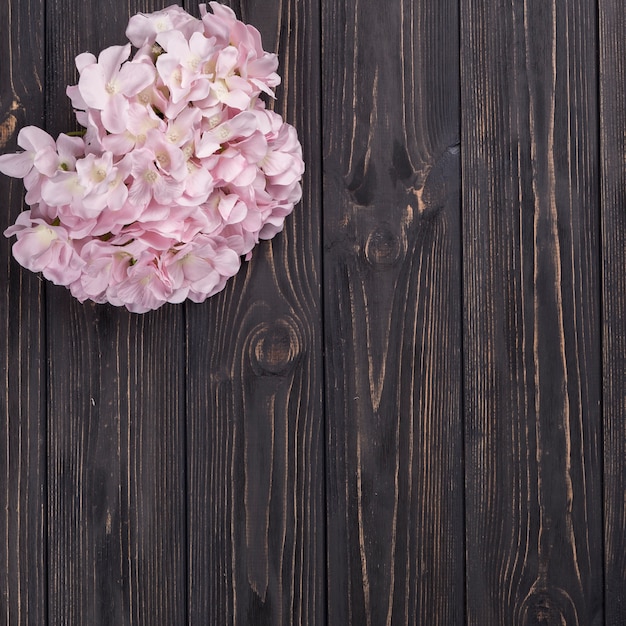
[(180, 171)]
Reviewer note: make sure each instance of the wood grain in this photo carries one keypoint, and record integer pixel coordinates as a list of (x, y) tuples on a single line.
[(399, 412), (23, 558), (116, 443), (254, 403), (532, 318), (392, 312), (612, 16)]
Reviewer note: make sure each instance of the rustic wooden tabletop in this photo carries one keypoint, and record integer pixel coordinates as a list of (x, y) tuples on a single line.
[(407, 408)]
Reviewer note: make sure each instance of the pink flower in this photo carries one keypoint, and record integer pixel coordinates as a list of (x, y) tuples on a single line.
[(143, 28), (180, 172), (181, 67), (199, 269), (242, 125), (199, 184), (149, 183), (42, 247), (105, 265), (43, 159), (35, 142), (102, 183), (233, 167), (146, 287), (108, 84), (169, 159), (253, 63), (180, 130), (141, 119)]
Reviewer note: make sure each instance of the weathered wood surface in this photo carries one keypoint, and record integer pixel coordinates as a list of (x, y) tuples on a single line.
[(23, 528), (532, 316), (116, 419), (254, 399), (408, 407), (612, 16), (392, 271)]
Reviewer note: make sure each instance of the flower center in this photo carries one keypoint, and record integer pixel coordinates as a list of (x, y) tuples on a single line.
[(220, 89), (46, 235), (193, 62), (99, 174)]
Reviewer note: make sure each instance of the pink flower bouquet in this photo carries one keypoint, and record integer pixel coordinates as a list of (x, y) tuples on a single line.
[(180, 171)]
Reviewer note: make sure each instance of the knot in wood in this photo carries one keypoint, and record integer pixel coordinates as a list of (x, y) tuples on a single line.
[(549, 608), (382, 248), (274, 347)]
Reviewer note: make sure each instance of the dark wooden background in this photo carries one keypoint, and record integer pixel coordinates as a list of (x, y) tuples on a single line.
[(409, 407)]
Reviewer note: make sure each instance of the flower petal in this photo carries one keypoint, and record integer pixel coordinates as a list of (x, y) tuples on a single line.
[(16, 165), (111, 58), (135, 77)]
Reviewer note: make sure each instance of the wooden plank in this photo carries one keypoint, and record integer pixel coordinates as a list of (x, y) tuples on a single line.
[(255, 417), (393, 312), (23, 563), (532, 316), (117, 531), (612, 17)]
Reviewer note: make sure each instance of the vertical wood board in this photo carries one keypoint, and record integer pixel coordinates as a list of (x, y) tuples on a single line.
[(254, 402), (612, 27), (532, 318), (23, 522), (116, 457), (392, 312)]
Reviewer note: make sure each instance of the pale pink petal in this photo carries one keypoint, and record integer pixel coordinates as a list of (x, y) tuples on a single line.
[(174, 43), (226, 205), (111, 58), (140, 193), (237, 100), (92, 86), (276, 163), (135, 77), (197, 269), (70, 146), (229, 168), (115, 116), (34, 139), (23, 221), (78, 102), (254, 148), (246, 177), (119, 143), (227, 262), (222, 11), (261, 85), (47, 162), (16, 165), (226, 61), (83, 60), (239, 212), (207, 146), (265, 66)]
